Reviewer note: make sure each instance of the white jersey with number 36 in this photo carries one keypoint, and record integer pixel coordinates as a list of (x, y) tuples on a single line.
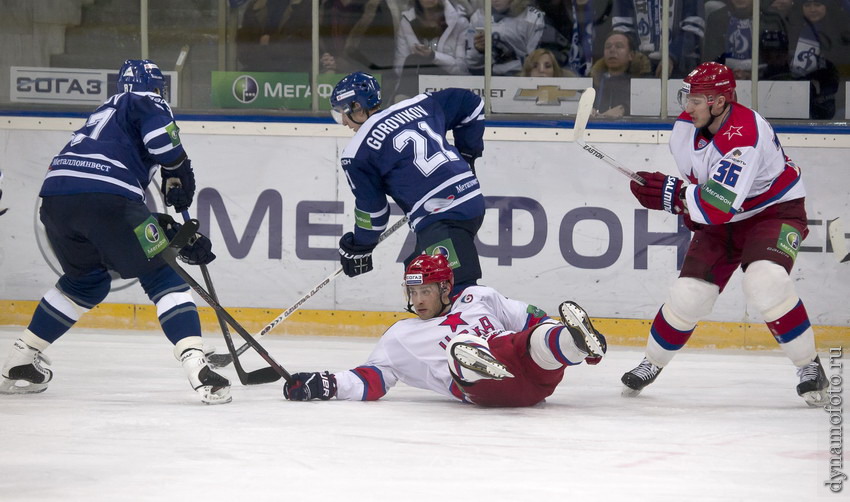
[(736, 173)]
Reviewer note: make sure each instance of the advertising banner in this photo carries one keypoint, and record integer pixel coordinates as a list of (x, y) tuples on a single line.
[(535, 95), (73, 86), (271, 90), (559, 225)]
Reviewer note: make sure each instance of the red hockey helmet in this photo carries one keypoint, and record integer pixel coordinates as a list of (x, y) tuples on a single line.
[(709, 79), (425, 269)]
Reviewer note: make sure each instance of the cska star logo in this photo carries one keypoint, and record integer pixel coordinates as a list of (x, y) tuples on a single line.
[(733, 131), (453, 321)]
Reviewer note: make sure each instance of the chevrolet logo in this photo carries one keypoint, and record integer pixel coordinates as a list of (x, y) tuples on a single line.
[(547, 95)]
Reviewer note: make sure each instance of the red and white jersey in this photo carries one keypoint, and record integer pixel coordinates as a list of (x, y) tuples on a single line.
[(414, 351), (738, 172)]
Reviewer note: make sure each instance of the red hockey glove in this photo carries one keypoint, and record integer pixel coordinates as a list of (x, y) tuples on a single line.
[(660, 192)]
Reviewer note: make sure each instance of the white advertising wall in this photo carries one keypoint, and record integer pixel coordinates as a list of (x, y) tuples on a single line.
[(560, 225)]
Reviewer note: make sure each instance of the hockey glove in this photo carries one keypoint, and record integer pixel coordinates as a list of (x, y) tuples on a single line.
[(470, 159), (307, 386), (355, 259), (199, 249), (660, 192), (178, 185)]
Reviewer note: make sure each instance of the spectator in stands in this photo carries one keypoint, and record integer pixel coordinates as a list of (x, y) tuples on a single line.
[(642, 18), (517, 29), (356, 35), (275, 35), (431, 40), (589, 25), (542, 63), (613, 74), (729, 35), (774, 56), (556, 28), (817, 47)]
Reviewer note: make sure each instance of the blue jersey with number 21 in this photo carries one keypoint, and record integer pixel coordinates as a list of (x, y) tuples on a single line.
[(402, 153)]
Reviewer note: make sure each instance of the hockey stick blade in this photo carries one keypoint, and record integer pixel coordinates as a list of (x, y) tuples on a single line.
[(838, 240), (170, 256), (219, 360), (585, 108), (257, 377), (260, 376)]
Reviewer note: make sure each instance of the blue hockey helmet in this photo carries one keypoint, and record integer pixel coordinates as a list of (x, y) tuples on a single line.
[(357, 87), (141, 75)]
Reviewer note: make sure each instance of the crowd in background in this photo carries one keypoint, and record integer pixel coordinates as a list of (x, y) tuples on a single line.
[(611, 41)]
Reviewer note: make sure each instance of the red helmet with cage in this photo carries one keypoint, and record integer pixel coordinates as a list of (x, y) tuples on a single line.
[(427, 269), (709, 79)]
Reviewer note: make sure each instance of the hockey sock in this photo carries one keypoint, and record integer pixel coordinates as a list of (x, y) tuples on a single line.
[(793, 332), (668, 334), (54, 316), (178, 316), (552, 347), (175, 307)]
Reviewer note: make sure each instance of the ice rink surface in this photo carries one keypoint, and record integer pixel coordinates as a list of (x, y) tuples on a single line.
[(120, 423)]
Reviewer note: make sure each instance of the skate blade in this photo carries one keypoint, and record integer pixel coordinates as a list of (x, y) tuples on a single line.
[(8, 387), (592, 341), (816, 398), (220, 395), (629, 392), (470, 358)]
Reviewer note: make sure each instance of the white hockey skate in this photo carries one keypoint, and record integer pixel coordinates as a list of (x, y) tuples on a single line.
[(586, 337), (479, 360), (23, 372), (212, 387)]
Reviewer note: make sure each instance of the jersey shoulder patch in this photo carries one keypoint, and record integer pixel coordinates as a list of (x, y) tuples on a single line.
[(739, 130)]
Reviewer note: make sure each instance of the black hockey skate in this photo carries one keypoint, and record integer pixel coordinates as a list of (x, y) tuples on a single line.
[(813, 383), (585, 336), (638, 378)]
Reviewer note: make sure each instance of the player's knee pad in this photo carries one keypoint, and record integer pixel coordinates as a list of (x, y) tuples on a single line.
[(87, 291), (690, 300), (769, 288)]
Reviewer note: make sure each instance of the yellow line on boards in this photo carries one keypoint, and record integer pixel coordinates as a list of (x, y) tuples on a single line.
[(631, 332)]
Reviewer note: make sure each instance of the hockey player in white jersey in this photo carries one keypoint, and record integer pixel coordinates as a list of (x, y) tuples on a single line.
[(477, 347), (744, 200)]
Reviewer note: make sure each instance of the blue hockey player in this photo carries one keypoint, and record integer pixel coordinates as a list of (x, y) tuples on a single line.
[(402, 153), (94, 213)]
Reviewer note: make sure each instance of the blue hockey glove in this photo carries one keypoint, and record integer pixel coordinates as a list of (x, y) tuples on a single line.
[(199, 249), (307, 386), (470, 159), (660, 192), (355, 259), (178, 185)]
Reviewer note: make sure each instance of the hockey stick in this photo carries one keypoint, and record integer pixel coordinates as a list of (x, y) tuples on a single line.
[(221, 360), (838, 239), (169, 254), (585, 107), (256, 377)]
